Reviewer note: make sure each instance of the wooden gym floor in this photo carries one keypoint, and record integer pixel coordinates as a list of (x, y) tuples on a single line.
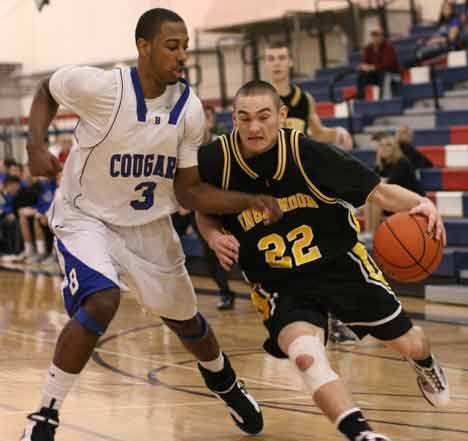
[(141, 384)]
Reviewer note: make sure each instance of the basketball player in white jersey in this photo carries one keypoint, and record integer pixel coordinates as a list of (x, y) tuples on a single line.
[(138, 136)]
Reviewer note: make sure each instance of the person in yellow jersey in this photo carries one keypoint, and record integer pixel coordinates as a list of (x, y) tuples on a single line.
[(302, 114), (310, 262)]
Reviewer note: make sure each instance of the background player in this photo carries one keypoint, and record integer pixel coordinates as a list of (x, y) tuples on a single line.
[(310, 263), (139, 132), (302, 114)]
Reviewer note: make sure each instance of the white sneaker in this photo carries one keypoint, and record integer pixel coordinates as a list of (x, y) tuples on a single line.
[(371, 436), (20, 257), (433, 383)]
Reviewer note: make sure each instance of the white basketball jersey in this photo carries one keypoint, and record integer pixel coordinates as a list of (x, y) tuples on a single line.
[(127, 177)]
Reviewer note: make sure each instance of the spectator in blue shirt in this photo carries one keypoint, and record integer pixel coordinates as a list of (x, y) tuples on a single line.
[(9, 233)]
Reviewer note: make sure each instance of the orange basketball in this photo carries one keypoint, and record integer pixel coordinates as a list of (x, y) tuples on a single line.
[(405, 250)]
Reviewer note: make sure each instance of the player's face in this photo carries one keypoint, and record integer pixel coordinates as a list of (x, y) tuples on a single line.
[(258, 120), (277, 63), (167, 52)]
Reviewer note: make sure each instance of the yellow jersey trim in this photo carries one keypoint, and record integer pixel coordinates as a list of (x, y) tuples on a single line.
[(227, 162), (282, 156), (297, 158), (238, 155), (296, 97)]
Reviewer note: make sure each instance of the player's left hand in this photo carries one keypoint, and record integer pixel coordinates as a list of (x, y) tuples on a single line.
[(435, 224), (226, 248), (343, 139)]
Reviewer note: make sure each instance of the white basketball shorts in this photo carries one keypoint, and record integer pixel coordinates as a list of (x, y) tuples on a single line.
[(93, 257)]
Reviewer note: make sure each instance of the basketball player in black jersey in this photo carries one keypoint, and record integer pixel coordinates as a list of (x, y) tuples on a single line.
[(310, 263), (302, 114)]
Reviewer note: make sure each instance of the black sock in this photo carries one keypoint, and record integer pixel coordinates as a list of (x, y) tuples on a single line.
[(353, 424), (426, 363)]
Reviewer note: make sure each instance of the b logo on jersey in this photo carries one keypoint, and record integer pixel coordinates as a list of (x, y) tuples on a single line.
[(157, 120), (137, 165)]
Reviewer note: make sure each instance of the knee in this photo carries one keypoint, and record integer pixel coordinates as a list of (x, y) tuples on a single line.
[(304, 362), (191, 329), (308, 354), (103, 306)]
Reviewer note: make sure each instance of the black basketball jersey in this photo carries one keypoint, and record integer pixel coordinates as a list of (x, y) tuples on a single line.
[(299, 106), (315, 184)]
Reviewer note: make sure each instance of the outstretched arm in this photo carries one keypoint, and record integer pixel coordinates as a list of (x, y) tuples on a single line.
[(327, 135), (394, 198), (194, 194), (43, 110)]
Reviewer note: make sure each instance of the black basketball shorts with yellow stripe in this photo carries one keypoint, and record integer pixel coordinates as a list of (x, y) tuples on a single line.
[(352, 288)]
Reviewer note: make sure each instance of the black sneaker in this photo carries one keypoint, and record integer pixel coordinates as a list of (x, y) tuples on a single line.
[(42, 425), (242, 406), (227, 302)]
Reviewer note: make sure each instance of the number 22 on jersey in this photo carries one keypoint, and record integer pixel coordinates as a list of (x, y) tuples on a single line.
[(302, 252)]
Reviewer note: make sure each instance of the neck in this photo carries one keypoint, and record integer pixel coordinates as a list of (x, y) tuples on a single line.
[(250, 154), (283, 87), (152, 87)]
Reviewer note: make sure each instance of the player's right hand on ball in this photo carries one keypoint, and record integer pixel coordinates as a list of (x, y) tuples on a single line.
[(269, 206), (42, 162)]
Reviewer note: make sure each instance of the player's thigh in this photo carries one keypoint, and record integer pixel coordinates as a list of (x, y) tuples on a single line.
[(361, 297), (83, 246), (156, 263), (280, 309)]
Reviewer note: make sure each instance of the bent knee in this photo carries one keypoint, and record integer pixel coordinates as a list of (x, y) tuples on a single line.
[(103, 306), (304, 362)]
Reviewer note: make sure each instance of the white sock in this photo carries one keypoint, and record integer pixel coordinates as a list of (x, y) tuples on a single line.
[(58, 384), (215, 365), (28, 248), (40, 246)]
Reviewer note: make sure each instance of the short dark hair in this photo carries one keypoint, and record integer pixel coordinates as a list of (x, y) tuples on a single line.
[(278, 44), (149, 24), (381, 135), (259, 87), (9, 179)]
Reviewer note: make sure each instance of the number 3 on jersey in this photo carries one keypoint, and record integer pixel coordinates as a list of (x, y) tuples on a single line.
[(146, 200), (274, 246)]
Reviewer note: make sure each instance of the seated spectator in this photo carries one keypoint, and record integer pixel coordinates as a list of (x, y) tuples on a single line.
[(36, 217), (10, 168), (404, 137), (379, 58), (212, 131), (9, 232), (449, 26), (394, 168)]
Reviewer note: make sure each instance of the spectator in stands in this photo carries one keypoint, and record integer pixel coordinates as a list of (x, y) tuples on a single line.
[(36, 217), (379, 58), (10, 168), (404, 138), (212, 131), (394, 168), (9, 232), (449, 26)]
